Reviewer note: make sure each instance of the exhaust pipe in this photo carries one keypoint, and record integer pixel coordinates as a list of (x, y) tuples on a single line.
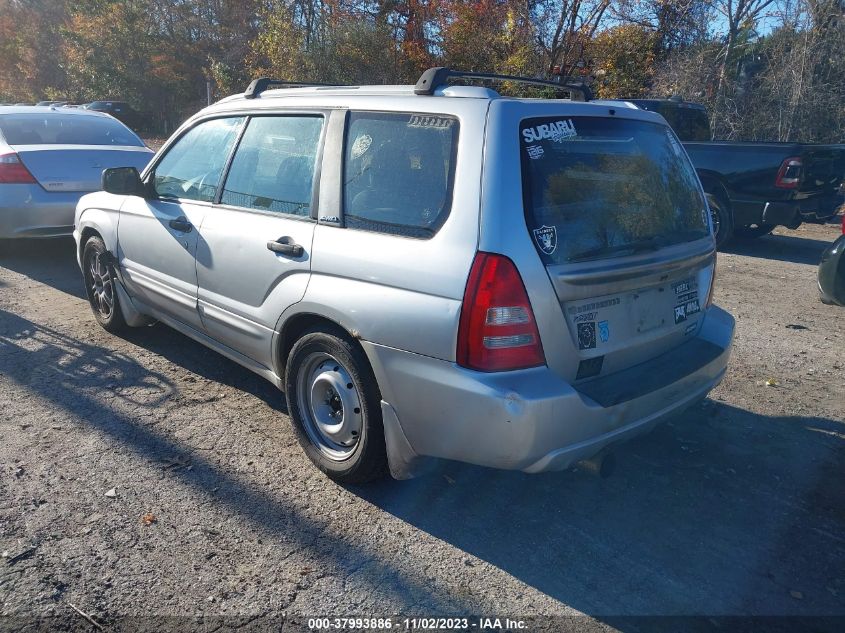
[(601, 464)]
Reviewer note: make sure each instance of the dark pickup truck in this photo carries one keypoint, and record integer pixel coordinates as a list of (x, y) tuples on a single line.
[(754, 187)]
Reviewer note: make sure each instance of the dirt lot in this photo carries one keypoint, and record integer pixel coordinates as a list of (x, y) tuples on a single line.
[(736, 508)]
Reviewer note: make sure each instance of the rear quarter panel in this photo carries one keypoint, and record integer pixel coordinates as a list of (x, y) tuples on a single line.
[(397, 291)]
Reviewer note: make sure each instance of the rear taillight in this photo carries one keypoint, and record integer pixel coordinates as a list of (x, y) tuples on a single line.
[(13, 171), (789, 173), (497, 331), (843, 221)]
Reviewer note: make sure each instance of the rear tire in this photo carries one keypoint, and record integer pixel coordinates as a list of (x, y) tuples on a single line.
[(722, 219), (101, 286), (335, 406)]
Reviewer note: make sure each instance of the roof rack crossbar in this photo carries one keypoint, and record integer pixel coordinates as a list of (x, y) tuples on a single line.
[(263, 83), (433, 78)]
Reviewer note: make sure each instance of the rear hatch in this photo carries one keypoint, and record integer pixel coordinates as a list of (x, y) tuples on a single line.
[(68, 152), (617, 216)]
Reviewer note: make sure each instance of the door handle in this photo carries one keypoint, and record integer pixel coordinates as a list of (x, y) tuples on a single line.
[(286, 246), (181, 224)]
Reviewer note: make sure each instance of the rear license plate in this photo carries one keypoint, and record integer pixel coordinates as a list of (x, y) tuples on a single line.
[(648, 310)]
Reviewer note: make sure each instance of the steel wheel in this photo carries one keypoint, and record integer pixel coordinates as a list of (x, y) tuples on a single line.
[(101, 284), (330, 405)]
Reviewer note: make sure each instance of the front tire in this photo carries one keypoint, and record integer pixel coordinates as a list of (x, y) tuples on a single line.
[(101, 286), (335, 406)]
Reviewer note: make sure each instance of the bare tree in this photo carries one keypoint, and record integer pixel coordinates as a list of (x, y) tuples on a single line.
[(564, 26)]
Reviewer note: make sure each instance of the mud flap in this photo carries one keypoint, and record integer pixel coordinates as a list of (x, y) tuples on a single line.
[(402, 459), (781, 214), (131, 315)]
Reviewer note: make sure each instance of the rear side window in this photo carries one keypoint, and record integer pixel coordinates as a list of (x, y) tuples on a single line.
[(689, 123), (53, 128), (273, 168), (398, 172), (599, 187), (192, 167)]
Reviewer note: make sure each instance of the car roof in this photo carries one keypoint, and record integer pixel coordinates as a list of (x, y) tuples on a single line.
[(50, 109), (350, 94)]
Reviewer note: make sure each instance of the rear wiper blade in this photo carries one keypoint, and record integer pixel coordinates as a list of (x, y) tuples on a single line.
[(650, 244)]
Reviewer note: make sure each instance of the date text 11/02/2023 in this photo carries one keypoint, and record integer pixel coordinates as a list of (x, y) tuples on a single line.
[(418, 623)]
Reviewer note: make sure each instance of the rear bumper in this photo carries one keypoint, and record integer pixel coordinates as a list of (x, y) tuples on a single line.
[(29, 211), (532, 420), (791, 213)]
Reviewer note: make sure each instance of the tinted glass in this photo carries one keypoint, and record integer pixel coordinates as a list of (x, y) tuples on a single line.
[(690, 124), (398, 172), (53, 128), (603, 187), (191, 169), (273, 168)]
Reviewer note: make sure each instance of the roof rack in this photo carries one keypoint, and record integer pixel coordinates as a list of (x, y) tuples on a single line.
[(262, 83), (434, 78)]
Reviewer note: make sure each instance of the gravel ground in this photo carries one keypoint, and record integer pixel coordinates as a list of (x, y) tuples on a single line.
[(148, 476)]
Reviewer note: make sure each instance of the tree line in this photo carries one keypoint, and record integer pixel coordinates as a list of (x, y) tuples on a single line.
[(766, 69)]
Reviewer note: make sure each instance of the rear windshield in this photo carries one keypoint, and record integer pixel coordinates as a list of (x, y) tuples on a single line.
[(598, 187), (52, 128)]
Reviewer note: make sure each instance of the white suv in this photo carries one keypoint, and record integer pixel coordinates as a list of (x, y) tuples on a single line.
[(429, 271)]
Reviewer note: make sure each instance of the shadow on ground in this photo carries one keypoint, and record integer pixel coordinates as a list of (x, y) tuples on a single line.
[(722, 511), (785, 248), (73, 375), (719, 512), (52, 262)]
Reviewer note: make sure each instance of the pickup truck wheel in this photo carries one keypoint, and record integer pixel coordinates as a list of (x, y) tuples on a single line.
[(335, 406), (100, 286), (721, 218), (753, 231)]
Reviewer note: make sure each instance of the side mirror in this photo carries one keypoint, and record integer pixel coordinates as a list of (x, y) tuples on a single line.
[(123, 181)]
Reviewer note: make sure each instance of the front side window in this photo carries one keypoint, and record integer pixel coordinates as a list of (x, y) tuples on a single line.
[(600, 187), (273, 167), (191, 169), (398, 172)]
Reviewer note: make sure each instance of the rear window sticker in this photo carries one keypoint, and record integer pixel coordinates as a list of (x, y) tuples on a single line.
[(604, 331), (535, 151), (557, 131), (680, 314), (361, 145), (587, 335), (586, 316), (684, 286), (438, 122), (546, 237)]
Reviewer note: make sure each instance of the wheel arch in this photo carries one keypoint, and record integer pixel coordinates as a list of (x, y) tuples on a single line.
[(712, 183), (292, 328), (86, 234), (97, 221)]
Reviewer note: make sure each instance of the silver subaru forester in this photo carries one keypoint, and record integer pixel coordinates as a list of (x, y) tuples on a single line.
[(429, 271)]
